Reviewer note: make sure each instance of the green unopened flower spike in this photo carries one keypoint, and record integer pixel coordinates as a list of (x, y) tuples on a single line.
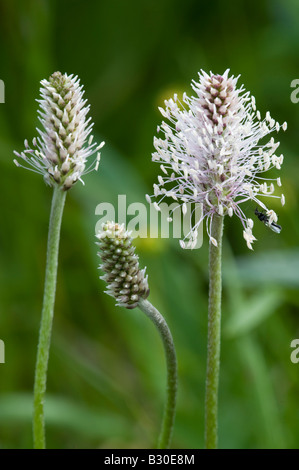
[(128, 284)]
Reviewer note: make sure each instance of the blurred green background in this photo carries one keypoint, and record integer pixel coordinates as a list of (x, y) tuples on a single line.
[(107, 373)]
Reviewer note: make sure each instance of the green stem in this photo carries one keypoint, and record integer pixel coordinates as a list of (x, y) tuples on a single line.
[(214, 333), (47, 318), (171, 363)]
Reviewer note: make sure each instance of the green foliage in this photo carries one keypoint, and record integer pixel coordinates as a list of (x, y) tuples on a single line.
[(107, 372)]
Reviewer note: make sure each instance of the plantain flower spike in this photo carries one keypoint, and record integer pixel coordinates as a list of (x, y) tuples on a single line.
[(61, 150), (126, 282), (213, 151)]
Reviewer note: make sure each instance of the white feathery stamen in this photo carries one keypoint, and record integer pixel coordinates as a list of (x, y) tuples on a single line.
[(213, 152)]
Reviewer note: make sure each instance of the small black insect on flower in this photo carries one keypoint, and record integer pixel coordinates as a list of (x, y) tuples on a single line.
[(263, 217)]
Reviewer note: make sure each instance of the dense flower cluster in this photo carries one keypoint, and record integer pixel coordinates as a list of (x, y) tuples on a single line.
[(212, 152), (61, 151), (126, 282)]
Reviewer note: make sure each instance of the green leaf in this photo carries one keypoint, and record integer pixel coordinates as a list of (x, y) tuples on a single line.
[(63, 413), (253, 312), (279, 267)]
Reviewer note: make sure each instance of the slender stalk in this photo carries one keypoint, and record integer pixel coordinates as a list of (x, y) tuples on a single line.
[(171, 363), (214, 333), (47, 318)]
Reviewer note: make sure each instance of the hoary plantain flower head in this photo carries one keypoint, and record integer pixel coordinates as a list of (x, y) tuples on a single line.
[(61, 150), (126, 282), (214, 152)]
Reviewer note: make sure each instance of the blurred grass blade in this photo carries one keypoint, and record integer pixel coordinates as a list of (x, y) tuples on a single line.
[(278, 267), (252, 313), (66, 414), (271, 431)]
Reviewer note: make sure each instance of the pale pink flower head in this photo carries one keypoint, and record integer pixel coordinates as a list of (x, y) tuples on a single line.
[(61, 151), (213, 152)]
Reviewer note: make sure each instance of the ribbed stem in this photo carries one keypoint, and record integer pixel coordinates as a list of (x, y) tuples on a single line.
[(171, 364), (44, 342), (214, 334)]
